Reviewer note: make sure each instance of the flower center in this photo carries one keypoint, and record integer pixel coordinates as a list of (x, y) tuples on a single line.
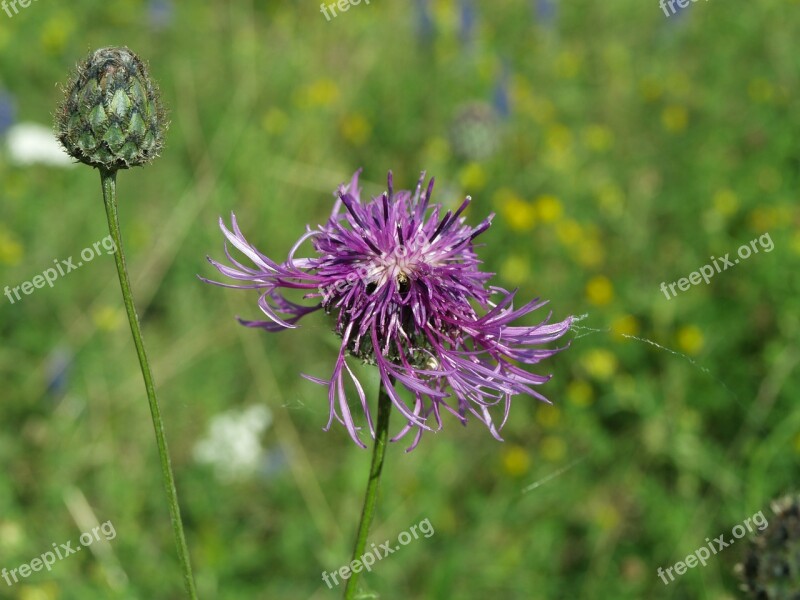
[(397, 267)]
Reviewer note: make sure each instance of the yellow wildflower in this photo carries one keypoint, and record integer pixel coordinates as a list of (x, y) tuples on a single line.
[(548, 208), (599, 290), (675, 118), (516, 461), (690, 339)]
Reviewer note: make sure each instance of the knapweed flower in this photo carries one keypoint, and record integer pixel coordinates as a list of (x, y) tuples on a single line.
[(770, 569), (403, 281), (111, 117)]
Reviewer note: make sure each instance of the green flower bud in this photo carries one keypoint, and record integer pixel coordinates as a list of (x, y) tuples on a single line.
[(771, 568), (111, 116)]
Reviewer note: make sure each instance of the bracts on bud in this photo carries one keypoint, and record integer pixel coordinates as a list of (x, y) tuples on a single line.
[(111, 116), (770, 569)]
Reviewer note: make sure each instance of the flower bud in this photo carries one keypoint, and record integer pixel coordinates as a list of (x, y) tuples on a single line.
[(111, 116), (771, 567)]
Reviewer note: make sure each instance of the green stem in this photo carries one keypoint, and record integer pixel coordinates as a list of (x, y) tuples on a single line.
[(109, 182), (371, 496)]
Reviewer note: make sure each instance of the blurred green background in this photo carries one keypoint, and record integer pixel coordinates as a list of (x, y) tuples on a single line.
[(619, 147)]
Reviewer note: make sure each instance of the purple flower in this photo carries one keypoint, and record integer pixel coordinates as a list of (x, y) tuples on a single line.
[(546, 11), (467, 21), (500, 95), (160, 14), (403, 282), (8, 112), (426, 29)]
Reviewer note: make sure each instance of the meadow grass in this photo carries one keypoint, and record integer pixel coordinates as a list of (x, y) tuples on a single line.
[(635, 148)]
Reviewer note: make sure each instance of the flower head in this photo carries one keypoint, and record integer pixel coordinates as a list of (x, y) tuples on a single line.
[(770, 569), (403, 280), (111, 116)]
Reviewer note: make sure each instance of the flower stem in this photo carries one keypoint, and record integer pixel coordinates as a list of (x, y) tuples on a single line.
[(109, 182), (371, 496)]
